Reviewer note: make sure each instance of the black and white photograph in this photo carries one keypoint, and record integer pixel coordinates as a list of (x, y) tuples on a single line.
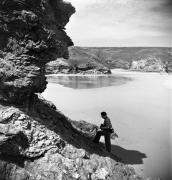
[(85, 89)]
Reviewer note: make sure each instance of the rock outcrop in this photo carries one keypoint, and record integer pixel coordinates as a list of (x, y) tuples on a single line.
[(62, 66), (150, 64), (58, 66), (79, 62), (37, 142), (32, 34)]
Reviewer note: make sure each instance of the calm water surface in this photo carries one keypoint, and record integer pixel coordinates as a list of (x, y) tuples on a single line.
[(88, 82), (139, 107)]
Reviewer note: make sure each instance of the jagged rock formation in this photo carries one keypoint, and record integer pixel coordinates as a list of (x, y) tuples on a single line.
[(57, 66), (32, 34), (37, 142)]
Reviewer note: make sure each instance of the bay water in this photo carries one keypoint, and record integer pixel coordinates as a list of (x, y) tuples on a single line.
[(139, 106)]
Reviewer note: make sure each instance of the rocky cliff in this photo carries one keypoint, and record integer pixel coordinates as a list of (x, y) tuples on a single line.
[(32, 34), (37, 142)]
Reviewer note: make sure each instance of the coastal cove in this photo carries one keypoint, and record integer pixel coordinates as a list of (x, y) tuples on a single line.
[(138, 105), (48, 120)]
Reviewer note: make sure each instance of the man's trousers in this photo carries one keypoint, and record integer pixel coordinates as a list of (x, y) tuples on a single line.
[(106, 134)]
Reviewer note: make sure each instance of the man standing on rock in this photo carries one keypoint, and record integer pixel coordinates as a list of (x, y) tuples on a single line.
[(105, 130)]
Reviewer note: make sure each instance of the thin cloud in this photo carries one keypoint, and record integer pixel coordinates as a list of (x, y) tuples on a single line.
[(164, 7), (113, 20)]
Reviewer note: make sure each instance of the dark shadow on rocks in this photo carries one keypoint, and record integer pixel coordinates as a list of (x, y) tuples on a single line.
[(72, 144), (13, 142), (18, 160), (128, 156), (44, 112)]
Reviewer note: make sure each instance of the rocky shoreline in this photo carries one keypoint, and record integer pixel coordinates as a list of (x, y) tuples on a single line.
[(62, 66), (39, 142)]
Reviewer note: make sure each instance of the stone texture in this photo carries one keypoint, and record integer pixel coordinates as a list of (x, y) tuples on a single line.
[(61, 66), (32, 34), (58, 66), (89, 130), (150, 64), (37, 142)]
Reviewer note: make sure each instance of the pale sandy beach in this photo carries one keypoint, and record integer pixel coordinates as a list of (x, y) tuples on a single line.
[(140, 110)]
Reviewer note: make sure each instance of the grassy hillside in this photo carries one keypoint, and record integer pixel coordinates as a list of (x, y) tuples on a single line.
[(100, 59), (80, 61), (83, 57), (122, 57)]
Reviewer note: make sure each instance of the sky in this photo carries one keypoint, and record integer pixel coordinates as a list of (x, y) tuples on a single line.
[(113, 23)]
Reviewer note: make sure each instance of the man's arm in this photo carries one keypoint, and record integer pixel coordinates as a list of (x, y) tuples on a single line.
[(104, 127), (107, 124)]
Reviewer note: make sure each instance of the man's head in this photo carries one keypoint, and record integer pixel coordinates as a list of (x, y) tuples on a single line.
[(103, 114)]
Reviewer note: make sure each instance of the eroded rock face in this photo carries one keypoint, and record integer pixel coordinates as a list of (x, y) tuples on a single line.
[(40, 143), (31, 34)]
